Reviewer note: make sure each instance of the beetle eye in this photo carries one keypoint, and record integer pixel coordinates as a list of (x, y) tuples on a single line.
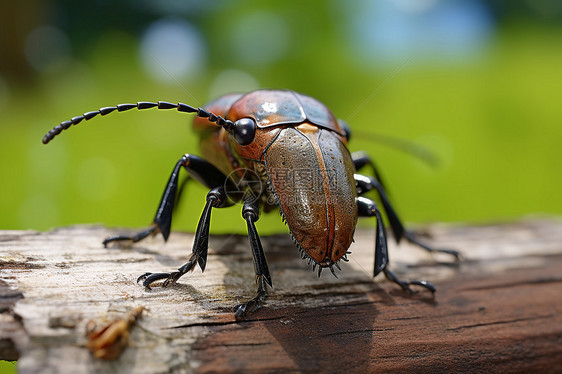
[(244, 131)]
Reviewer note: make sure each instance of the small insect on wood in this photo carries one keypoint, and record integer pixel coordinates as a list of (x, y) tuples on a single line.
[(271, 149)]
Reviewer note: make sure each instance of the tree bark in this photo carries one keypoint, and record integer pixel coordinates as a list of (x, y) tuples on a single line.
[(499, 311)]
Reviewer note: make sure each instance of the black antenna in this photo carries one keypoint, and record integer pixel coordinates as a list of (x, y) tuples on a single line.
[(181, 107)]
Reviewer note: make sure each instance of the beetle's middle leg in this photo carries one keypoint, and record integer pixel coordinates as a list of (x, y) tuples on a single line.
[(368, 208), (365, 184), (251, 213)]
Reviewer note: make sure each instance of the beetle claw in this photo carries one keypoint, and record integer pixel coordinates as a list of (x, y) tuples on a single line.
[(242, 310), (405, 285), (149, 278), (333, 272)]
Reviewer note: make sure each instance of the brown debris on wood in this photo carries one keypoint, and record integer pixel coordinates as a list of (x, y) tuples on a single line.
[(108, 342)]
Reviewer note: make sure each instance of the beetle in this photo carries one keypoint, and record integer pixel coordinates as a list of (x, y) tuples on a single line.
[(299, 162)]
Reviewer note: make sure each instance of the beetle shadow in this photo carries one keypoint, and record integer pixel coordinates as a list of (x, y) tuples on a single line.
[(319, 325)]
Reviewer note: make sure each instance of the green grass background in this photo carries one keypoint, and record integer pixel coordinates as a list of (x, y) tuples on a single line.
[(494, 121)]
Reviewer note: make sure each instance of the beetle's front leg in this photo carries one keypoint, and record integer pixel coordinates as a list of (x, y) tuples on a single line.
[(216, 198), (368, 208), (251, 212)]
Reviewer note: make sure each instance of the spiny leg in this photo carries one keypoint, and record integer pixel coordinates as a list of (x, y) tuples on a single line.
[(199, 169), (216, 198), (368, 208), (366, 184), (251, 213)]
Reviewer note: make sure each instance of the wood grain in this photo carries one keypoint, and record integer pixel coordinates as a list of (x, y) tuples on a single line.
[(499, 311)]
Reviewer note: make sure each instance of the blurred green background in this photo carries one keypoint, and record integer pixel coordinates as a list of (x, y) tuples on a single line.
[(477, 82)]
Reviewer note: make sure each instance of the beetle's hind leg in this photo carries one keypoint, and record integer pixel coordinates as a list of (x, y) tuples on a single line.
[(199, 169), (250, 212), (368, 208), (366, 184)]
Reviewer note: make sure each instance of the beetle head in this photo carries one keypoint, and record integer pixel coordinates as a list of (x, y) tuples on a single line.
[(259, 115)]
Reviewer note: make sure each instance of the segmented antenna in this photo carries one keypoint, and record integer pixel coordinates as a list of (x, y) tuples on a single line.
[(181, 107)]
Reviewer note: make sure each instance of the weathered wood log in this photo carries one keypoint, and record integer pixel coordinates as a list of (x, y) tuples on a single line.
[(499, 311)]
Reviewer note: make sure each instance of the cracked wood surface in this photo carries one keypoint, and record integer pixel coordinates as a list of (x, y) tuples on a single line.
[(501, 310)]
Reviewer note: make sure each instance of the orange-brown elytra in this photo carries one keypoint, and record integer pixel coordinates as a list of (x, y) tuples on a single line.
[(271, 149)]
